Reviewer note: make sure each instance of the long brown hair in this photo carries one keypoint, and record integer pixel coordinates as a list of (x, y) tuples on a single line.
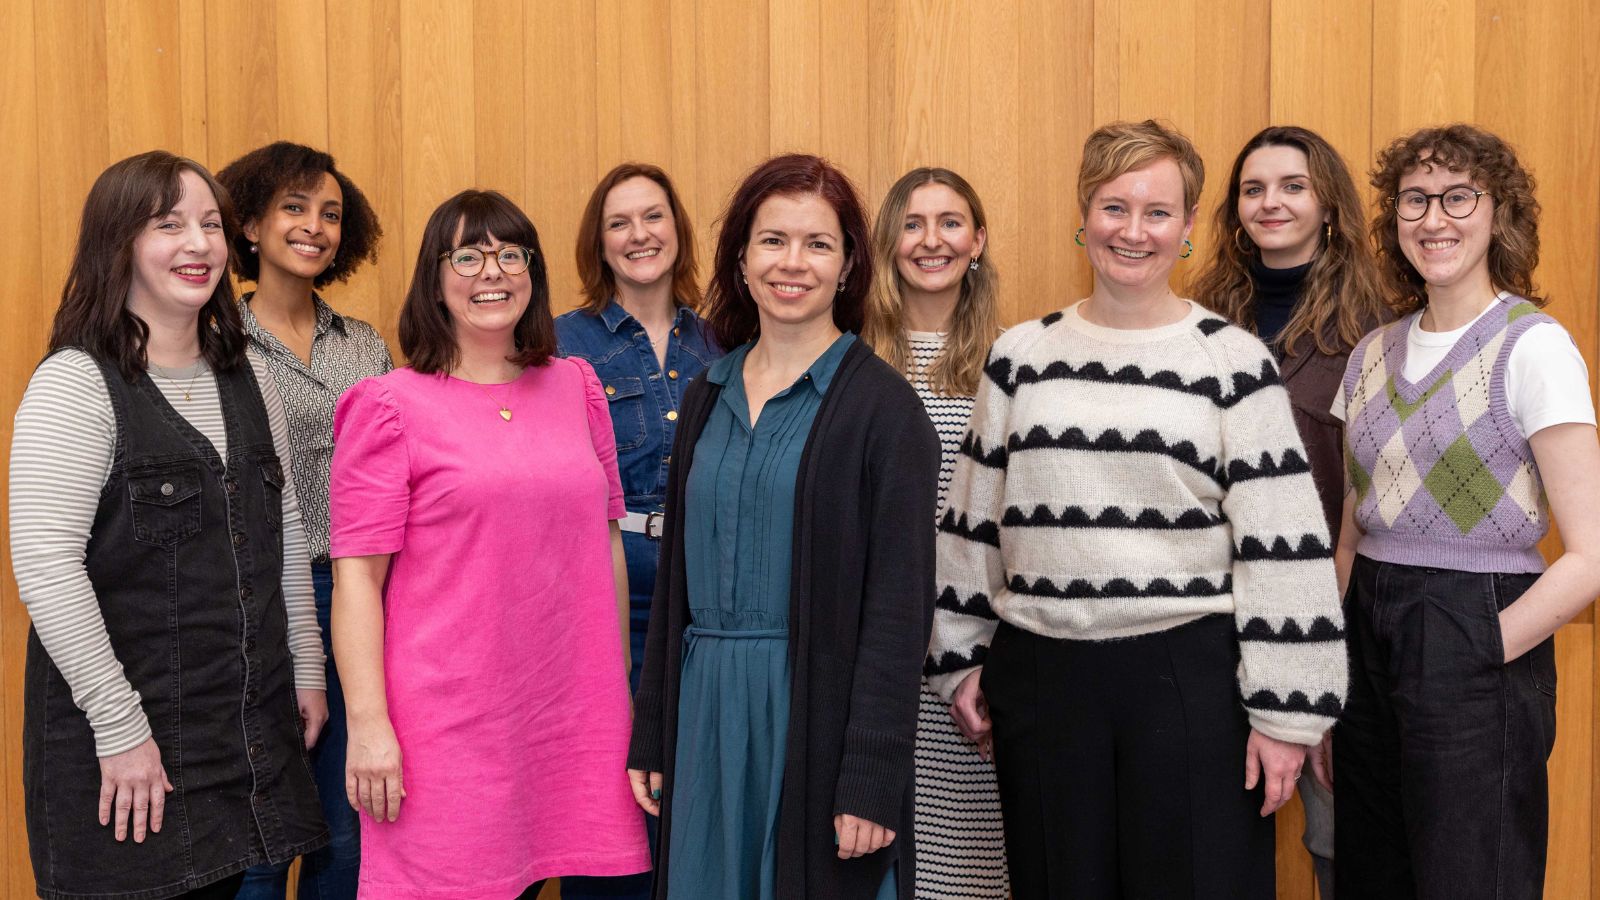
[(427, 334), (599, 282), (94, 314), (1492, 164), (976, 320), (1344, 294), (730, 310)]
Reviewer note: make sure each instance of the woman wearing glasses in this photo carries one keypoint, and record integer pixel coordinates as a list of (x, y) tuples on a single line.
[(476, 564), (1469, 426)]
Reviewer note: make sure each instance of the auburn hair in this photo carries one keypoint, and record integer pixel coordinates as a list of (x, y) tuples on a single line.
[(599, 282)]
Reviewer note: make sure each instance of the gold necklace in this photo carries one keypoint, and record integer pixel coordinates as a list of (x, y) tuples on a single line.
[(185, 390), (505, 411)]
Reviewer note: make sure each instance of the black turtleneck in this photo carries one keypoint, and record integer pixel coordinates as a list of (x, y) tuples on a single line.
[(1276, 293)]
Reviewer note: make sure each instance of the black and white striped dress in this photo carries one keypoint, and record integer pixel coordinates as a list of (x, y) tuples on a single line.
[(960, 842)]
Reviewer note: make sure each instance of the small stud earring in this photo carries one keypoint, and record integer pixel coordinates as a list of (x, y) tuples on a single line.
[(253, 248)]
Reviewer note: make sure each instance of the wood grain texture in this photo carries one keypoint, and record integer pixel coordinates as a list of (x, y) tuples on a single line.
[(537, 99)]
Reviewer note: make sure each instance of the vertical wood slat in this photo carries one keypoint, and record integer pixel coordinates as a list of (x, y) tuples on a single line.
[(707, 88)]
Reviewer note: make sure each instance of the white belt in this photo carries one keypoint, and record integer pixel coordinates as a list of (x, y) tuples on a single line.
[(648, 524)]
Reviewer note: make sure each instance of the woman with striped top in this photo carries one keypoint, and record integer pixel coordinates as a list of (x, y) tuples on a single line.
[(932, 315), (158, 547)]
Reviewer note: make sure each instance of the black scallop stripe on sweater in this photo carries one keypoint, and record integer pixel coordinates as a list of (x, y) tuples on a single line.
[(1291, 463), (1322, 629), (1121, 588), (1327, 705), (994, 458), (1112, 441), (975, 605), (1110, 517), (978, 529), (1253, 549), (1209, 386), (951, 661)]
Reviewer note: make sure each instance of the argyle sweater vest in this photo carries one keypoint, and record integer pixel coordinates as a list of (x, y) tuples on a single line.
[(1441, 473)]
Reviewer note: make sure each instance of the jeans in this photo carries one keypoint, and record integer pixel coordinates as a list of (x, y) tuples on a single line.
[(329, 873), (1440, 756)]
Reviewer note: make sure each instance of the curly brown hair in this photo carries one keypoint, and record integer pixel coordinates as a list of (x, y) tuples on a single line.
[(255, 178), (1344, 293), (1493, 166)]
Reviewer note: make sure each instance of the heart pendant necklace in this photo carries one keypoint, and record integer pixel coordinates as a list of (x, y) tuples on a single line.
[(505, 411)]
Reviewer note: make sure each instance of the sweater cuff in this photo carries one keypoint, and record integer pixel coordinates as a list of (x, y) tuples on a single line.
[(873, 776), (1294, 728), (310, 671), (945, 683), (123, 734), (644, 748)]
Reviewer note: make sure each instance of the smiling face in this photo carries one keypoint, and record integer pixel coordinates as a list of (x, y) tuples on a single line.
[(1446, 252), (1277, 207), (794, 261), (1136, 225), (488, 304), (179, 256), (638, 236), (298, 235), (937, 241)]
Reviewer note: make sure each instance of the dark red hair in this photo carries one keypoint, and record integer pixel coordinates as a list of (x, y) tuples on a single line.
[(729, 308)]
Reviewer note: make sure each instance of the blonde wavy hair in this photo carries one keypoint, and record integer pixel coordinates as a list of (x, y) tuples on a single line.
[(1344, 293), (976, 320)]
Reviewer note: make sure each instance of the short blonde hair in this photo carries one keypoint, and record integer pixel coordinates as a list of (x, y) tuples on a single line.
[(1116, 149)]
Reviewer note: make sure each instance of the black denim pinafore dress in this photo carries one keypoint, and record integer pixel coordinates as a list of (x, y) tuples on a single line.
[(186, 559)]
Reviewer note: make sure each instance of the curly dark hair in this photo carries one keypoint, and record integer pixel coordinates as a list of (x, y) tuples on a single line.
[(1492, 165), (255, 178)]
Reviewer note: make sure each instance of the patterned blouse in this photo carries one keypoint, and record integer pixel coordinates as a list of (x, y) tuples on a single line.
[(344, 350)]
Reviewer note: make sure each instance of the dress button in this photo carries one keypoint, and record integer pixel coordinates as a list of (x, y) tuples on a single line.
[(238, 539), (672, 415), (246, 592), (166, 489), (610, 391), (255, 751), (666, 460), (672, 373), (232, 485)]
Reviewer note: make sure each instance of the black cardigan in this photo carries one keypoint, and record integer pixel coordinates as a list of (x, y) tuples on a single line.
[(860, 610)]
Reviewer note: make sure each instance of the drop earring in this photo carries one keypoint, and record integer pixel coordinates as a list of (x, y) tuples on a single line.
[(973, 265)]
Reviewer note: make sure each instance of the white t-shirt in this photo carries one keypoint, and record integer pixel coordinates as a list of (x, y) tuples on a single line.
[(1547, 382)]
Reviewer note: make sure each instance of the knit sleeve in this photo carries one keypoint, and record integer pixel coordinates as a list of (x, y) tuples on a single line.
[(1293, 670), (61, 451), (970, 570)]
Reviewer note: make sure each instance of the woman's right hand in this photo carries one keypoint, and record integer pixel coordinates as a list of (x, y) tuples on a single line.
[(372, 781), (646, 790), (135, 784), (971, 712)]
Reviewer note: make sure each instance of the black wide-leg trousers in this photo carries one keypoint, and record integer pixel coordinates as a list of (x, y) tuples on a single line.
[(1121, 767)]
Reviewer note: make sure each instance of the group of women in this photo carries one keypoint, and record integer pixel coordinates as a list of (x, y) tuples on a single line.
[(907, 607)]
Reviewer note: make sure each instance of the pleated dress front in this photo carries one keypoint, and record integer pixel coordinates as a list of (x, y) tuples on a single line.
[(734, 700)]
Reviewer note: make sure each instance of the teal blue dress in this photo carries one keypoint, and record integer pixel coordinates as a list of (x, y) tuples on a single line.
[(733, 702)]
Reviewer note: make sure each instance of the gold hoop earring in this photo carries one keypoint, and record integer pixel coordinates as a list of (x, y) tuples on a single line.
[(1239, 240), (1327, 229)]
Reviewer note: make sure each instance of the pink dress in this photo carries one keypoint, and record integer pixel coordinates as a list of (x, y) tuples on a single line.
[(502, 648)]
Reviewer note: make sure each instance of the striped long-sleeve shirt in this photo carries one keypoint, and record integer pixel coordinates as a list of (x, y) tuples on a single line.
[(61, 455), (1122, 482)]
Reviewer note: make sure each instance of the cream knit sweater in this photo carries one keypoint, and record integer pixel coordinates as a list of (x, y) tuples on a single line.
[(1115, 483)]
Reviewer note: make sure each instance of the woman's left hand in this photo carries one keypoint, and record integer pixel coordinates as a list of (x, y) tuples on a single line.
[(858, 837), (313, 712), (1278, 762)]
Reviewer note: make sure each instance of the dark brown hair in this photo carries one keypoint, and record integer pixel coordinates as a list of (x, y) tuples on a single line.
[(94, 314), (730, 310), (599, 282), (1343, 295), (1492, 165), (255, 178), (427, 333)]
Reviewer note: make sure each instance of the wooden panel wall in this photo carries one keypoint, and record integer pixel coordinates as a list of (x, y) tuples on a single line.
[(419, 99)]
